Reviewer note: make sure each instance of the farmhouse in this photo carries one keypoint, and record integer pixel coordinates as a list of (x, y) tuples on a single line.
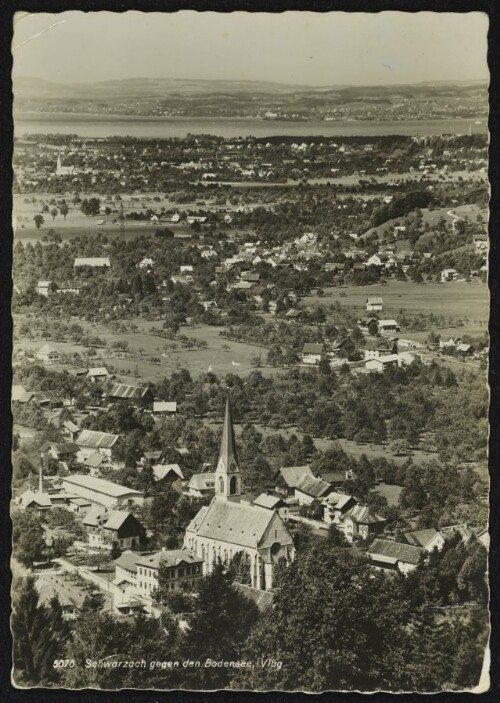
[(101, 492), (310, 488), (428, 539), (388, 326), (201, 485), (137, 395), (292, 475), (105, 527), (99, 373), (270, 502), (312, 353), (395, 556), (336, 505), (381, 363), (360, 522), (91, 441), (48, 355), (449, 275), (228, 527), (161, 407), (374, 304)]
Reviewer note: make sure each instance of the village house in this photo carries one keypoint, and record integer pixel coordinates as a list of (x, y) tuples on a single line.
[(70, 430), (136, 576), (229, 527), (99, 373), (374, 304), (146, 264), (91, 441), (43, 288), (107, 527), (375, 348), (335, 505), (141, 396), (388, 326), (312, 353), (201, 485), (360, 522), (449, 275), (170, 474), (48, 354), (60, 452), (101, 492), (291, 475), (381, 363), (163, 408), (309, 488), (395, 556), (428, 539)]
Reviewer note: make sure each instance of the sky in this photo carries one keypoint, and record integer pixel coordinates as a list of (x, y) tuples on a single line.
[(301, 48)]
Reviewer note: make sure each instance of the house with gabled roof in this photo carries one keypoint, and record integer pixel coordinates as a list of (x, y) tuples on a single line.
[(428, 539), (395, 556), (361, 522), (91, 441), (336, 505), (201, 485), (310, 488), (137, 395)]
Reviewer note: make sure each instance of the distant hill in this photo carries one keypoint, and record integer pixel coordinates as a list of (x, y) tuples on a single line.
[(140, 88)]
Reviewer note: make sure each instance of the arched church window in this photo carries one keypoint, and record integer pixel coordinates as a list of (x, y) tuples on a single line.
[(233, 486), (221, 484)]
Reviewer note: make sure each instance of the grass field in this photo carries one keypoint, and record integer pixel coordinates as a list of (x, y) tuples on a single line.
[(457, 299)]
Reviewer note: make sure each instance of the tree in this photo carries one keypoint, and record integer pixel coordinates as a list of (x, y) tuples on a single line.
[(334, 624), (64, 209), (218, 627), (29, 545), (38, 219), (38, 635), (53, 212), (115, 551)]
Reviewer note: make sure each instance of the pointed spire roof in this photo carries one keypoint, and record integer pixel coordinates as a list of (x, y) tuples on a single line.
[(228, 454)]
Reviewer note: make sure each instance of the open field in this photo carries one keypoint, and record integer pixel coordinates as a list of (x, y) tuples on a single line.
[(433, 216), (455, 299)]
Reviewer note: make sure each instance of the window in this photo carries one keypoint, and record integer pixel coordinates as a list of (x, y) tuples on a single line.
[(221, 484), (181, 572), (233, 486)]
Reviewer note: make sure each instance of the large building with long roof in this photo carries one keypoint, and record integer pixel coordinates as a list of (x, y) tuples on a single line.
[(228, 527)]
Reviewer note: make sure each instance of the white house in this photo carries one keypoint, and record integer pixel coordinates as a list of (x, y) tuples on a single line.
[(388, 326), (146, 264), (312, 353), (449, 275), (48, 355), (374, 304)]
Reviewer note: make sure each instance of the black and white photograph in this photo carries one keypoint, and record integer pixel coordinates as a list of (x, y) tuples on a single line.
[(250, 351)]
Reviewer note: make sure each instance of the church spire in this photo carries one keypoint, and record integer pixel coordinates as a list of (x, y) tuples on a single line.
[(228, 453), (227, 474)]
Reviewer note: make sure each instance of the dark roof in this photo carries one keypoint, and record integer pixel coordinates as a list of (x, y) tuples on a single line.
[(406, 553), (334, 476), (363, 515)]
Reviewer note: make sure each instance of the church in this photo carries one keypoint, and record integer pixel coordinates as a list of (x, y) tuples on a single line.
[(227, 526)]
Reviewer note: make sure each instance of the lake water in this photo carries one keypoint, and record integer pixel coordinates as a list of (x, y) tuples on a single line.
[(158, 128)]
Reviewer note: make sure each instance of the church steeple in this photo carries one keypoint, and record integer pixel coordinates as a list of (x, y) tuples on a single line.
[(227, 474)]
